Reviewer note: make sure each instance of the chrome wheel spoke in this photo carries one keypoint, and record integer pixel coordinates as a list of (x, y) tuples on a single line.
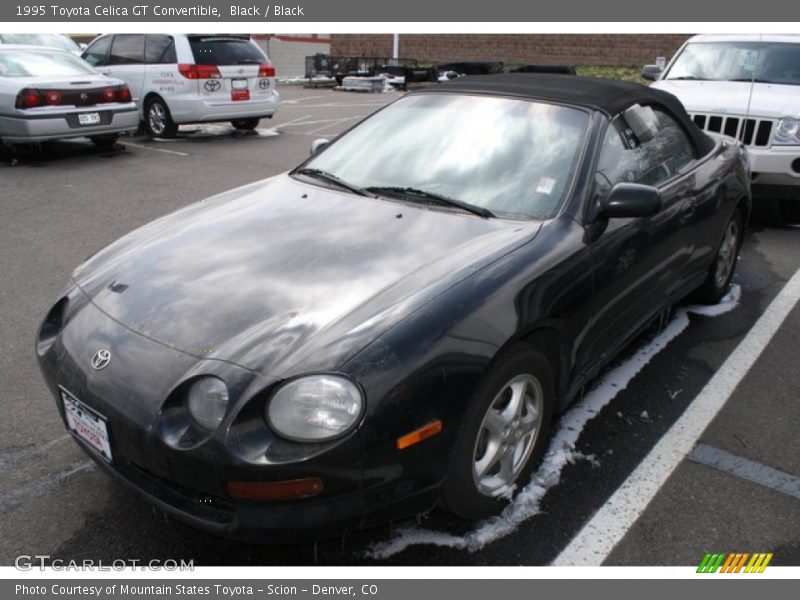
[(507, 435)]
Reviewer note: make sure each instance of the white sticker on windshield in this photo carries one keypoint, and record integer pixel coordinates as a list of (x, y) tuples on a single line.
[(546, 185), (749, 59)]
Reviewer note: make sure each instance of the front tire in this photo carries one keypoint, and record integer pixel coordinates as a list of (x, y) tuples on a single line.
[(245, 124), (157, 119), (718, 280), (503, 435)]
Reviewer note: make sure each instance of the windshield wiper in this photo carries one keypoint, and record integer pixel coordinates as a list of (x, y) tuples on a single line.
[(440, 199), (687, 78), (331, 178)]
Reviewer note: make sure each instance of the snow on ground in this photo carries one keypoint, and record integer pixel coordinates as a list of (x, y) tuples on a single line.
[(562, 446)]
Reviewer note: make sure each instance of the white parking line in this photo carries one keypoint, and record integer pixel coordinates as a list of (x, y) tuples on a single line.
[(608, 526), (164, 150)]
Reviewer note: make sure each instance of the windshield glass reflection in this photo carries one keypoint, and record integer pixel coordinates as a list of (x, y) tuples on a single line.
[(513, 157), (775, 63)]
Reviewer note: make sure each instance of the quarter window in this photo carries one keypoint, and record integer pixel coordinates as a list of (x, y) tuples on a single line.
[(624, 159), (160, 49), (127, 50)]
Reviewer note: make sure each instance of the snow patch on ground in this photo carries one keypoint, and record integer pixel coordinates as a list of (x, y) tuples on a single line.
[(562, 447)]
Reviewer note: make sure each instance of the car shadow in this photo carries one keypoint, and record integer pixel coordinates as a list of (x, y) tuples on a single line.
[(45, 153)]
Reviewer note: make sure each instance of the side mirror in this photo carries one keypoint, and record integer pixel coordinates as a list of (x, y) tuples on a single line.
[(651, 72), (318, 145), (630, 200)]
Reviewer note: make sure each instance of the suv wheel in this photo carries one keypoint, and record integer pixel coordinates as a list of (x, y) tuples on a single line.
[(157, 120)]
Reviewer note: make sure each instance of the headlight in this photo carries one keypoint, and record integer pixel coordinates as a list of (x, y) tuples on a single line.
[(787, 131), (315, 408), (207, 401)]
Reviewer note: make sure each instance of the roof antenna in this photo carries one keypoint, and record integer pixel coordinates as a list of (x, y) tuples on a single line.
[(750, 95)]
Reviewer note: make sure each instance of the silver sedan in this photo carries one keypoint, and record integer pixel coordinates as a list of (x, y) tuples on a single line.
[(48, 94)]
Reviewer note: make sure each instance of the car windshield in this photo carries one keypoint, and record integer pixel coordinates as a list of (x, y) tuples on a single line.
[(777, 63), (515, 158), (33, 63), (40, 39), (224, 51)]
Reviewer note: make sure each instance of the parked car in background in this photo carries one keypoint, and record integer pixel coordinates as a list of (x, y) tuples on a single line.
[(395, 322), (746, 87), (51, 40), (177, 78), (48, 94)]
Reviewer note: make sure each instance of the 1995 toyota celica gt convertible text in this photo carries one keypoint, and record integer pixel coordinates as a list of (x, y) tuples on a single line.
[(396, 322)]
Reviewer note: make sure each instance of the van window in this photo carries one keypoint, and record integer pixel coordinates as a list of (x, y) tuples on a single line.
[(97, 51), (159, 49), (127, 50), (225, 51)]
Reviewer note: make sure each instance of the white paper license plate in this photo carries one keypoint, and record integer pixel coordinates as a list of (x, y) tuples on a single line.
[(89, 118), (87, 424), (239, 84)]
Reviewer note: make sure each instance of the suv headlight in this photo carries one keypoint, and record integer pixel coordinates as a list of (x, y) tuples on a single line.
[(315, 408), (787, 131)]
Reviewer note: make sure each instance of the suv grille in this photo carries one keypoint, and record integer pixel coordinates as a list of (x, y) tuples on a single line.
[(751, 132)]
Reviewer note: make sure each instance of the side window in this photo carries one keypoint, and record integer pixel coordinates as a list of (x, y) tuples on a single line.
[(624, 158), (97, 51), (127, 50), (159, 49)]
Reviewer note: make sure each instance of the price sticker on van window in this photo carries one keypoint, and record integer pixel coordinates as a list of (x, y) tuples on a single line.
[(749, 59)]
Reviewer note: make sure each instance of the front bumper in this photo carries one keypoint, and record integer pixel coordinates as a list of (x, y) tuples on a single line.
[(775, 166), (190, 484), (40, 125)]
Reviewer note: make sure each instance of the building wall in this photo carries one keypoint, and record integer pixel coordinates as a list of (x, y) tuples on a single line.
[(288, 52), (575, 49)]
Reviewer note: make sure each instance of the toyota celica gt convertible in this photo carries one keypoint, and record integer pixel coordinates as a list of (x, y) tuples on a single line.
[(394, 323)]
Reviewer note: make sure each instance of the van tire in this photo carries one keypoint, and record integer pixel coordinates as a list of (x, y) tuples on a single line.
[(157, 120), (245, 124)]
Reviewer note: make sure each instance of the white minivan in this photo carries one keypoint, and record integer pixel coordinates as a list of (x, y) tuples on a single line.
[(180, 78)]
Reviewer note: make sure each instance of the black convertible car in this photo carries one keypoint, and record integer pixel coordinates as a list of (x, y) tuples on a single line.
[(396, 322)]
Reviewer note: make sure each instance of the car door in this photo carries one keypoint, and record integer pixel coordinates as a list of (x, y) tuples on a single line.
[(126, 61), (639, 264)]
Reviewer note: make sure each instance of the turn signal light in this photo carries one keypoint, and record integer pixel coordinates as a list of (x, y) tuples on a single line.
[(418, 435), (275, 490)]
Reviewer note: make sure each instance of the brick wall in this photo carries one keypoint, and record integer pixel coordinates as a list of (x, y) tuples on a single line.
[(558, 48)]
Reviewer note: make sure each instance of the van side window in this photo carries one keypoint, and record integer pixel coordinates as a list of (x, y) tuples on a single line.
[(159, 50), (127, 50), (97, 52)]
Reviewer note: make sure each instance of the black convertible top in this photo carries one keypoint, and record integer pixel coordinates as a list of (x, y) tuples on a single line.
[(610, 96)]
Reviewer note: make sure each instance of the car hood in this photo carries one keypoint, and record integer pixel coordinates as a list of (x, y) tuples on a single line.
[(732, 97), (269, 275)]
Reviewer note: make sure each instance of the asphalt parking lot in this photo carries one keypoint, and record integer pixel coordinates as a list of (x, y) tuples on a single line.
[(60, 206)]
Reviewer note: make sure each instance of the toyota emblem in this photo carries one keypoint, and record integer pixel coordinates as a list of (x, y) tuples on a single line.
[(212, 85), (101, 359), (263, 84)]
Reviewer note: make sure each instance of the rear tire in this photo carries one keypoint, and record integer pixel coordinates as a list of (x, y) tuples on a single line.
[(245, 124), (157, 119), (503, 434), (718, 280)]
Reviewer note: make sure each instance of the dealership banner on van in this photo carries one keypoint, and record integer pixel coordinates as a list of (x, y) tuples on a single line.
[(409, 11)]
